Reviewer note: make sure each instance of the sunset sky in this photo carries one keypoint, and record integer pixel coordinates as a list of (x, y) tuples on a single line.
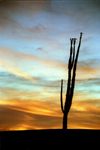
[(34, 53)]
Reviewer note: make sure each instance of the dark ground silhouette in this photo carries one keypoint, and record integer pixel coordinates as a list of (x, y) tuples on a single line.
[(49, 139)]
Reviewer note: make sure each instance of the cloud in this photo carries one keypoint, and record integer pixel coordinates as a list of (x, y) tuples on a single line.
[(9, 64), (82, 120), (27, 121), (14, 17), (49, 108), (87, 69), (7, 78), (22, 7), (89, 82), (85, 114), (14, 62), (40, 49), (27, 115)]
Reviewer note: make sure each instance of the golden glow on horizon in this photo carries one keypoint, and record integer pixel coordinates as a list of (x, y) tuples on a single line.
[(45, 109)]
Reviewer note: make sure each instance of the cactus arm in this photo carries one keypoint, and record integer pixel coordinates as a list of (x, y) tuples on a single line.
[(73, 50), (74, 69), (69, 71), (76, 59), (78, 49), (61, 96), (69, 64), (73, 55)]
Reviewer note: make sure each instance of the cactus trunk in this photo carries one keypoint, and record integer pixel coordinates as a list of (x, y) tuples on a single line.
[(71, 82), (65, 118)]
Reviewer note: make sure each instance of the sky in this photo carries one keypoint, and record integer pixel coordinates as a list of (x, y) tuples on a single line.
[(34, 53)]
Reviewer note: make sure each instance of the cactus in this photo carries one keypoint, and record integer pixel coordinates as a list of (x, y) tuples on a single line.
[(71, 82)]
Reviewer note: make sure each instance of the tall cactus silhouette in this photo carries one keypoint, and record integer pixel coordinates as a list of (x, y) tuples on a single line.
[(71, 82)]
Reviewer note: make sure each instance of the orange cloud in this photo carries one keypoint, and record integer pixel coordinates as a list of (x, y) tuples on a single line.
[(27, 115), (86, 72), (87, 69), (35, 107), (85, 115), (19, 115)]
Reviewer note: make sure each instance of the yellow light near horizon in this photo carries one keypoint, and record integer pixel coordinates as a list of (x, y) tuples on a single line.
[(78, 108), (42, 110)]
